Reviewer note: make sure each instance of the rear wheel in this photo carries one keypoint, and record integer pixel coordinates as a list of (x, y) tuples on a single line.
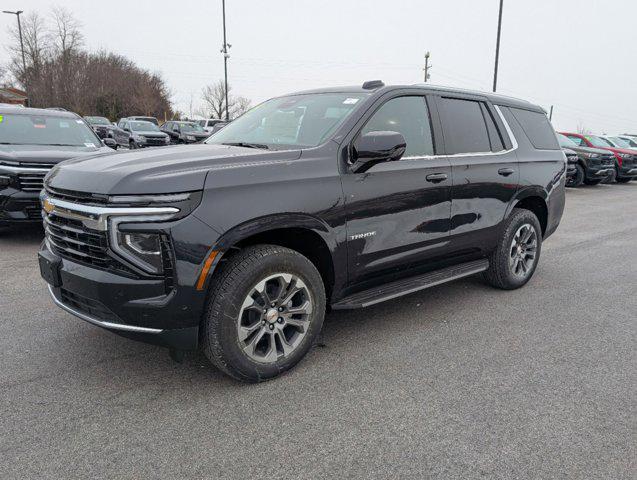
[(578, 179), (515, 259), (265, 308)]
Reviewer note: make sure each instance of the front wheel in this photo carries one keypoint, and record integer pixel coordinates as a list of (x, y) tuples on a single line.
[(578, 179), (265, 309), (513, 262)]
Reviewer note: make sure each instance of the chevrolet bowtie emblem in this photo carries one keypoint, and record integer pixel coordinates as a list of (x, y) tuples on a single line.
[(48, 206)]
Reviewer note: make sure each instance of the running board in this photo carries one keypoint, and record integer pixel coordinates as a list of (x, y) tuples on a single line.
[(410, 285)]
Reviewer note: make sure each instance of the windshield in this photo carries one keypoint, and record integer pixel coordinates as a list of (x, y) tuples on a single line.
[(294, 121), (565, 142), (631, 143), (97, 120), (619, 142), (45, 130), (599, 141), (191, 127), (143, 127)]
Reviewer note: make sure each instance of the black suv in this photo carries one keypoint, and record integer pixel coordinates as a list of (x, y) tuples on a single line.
[(184, 132), (32, 140), (334, 198), (589, 165), (105, 129)]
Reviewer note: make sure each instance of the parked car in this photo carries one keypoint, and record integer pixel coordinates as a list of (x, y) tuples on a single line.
[(208, 124), (341, 198), (218, 127), (184, 132), (631, 141), (591, 165), (145, 119), (625, 159), (144, 134), (32, 140), (103, 127)]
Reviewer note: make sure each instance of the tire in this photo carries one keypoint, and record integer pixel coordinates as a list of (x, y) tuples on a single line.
[(591, 182), (132, 146), (246, 342), (578, 179), (503, 271)]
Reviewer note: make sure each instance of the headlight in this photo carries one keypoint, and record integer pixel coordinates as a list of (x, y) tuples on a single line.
[(139, 138), (142, 249), (191, 137)]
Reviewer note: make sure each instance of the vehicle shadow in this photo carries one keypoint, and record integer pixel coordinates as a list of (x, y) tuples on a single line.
[(25, 234)]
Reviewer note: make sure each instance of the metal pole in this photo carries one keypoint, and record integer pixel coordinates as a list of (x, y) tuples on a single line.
[(497, 48), (225, 58), (24, 62), (426, 66)]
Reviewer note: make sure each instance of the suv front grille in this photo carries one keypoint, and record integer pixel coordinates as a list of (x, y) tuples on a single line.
[(71, 239), (31, 182), (88, 306)]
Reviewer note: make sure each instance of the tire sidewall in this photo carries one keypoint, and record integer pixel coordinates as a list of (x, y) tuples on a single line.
[(230, 306), (518, 219)]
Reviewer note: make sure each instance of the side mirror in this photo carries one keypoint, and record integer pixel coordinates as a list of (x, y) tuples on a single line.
[(376, 147), (110, 142)]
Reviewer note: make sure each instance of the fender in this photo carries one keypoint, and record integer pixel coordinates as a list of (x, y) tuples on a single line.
[(526, 192), (266, 224)]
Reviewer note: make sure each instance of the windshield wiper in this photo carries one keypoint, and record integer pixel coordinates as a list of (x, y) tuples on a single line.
[(247, 145)]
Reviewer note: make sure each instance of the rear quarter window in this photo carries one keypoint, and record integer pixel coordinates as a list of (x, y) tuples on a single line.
[(537, 128)]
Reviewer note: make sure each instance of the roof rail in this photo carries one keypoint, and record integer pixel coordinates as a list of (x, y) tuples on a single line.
[(373, 84)]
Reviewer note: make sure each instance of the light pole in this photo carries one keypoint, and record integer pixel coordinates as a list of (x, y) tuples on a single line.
[(497, 48), (24, 62), (226, 56)]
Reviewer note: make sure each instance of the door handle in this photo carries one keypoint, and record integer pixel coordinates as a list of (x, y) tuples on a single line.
[(436, 177), (505, 172)]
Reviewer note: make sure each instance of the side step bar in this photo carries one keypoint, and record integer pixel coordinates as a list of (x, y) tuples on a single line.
[(410, 285)]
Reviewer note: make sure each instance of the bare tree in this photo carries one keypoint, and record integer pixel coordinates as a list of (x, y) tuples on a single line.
[(214, 97), (37, 46), (66, 32)]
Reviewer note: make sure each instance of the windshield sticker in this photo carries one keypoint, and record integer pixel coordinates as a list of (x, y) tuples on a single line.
[(350, 101), (1, 118), (88, 144)]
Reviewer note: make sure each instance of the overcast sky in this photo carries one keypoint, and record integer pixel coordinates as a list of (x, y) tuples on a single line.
[(578, 55)]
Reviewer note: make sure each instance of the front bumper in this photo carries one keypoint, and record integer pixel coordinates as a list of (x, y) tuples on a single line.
[(627, 171), (150, 143), (140, 309)]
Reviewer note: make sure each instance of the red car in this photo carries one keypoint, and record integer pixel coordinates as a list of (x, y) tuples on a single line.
[(626, 160)]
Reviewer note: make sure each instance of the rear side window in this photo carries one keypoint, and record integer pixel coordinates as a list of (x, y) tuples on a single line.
[(464, 126), (538, 128), (497, 144)]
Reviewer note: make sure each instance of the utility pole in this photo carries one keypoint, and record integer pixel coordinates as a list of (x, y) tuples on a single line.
[(226, 56), (497, 48), (427, 67), (24, 62)]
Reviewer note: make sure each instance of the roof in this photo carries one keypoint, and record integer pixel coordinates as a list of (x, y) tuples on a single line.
[(44, 112), (13, 93), (494, 98)]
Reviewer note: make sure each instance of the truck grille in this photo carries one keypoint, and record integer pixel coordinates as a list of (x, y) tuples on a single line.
[(88, 306), (155, 141), (31, 182), (71, 239)]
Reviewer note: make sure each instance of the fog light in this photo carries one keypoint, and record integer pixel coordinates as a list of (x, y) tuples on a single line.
[(4, 181)]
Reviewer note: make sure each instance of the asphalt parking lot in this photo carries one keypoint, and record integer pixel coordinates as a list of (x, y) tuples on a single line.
[(460, 381)]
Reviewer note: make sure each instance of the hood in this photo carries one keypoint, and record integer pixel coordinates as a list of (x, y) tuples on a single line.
[(48, 154), (154, 171), (149, 133), (579, 149)]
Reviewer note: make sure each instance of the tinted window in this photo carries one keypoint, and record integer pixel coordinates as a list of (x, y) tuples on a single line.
[(537, 128), (409, 116), (576, 140), (494, 135), (464, 128)]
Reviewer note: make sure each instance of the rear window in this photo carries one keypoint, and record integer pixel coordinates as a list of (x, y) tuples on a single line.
[(464, 126), (537, 128)]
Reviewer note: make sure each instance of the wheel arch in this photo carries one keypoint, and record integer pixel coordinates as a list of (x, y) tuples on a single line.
[(303, 233), (534, 200)]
